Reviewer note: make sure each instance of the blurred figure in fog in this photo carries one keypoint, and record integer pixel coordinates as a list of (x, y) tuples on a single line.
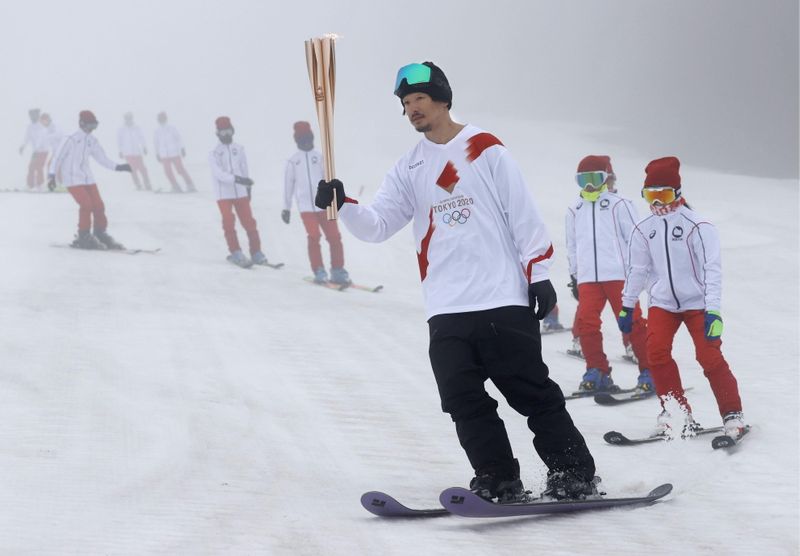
[(170, 152), (304, 170), (51, 138), (72, 162), (35, 135), (132, 148)]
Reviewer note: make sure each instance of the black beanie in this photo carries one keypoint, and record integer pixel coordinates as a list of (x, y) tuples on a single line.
[(438, 88)]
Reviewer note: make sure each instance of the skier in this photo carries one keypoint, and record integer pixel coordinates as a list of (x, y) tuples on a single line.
[(35, 135), (483, 255), (303, 170), (231, 183), (52, 138), (72, 162), (170, 152), (132, 147), (598, 227), (680, 252)]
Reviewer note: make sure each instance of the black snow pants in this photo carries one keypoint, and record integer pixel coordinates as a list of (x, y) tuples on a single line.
[(503, 345)]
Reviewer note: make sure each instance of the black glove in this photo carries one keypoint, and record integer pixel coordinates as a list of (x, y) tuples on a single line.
[(123, 168), (285, 214), (573, 285), (544, 295), (325, 194), (51, 182), (243, 181)]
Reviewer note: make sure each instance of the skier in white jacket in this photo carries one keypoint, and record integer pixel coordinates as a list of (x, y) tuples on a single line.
[(72, 163), (483, 254), (132, 147), (170, 153), (231, 185), (598, 227), (35, 135), (304, 170), (676, 253)]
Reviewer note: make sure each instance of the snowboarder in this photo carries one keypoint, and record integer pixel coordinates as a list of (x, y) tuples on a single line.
[(231, 184), (35, 135), (304, 170), (483, 254), (170, 152), (72, 162), (680, 253), (598, 227), (132, 148)]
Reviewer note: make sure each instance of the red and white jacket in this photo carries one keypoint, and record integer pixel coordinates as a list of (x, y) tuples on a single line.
[(303, 172), (72, 159), (597, 237), (480, 238), (678, 254), (226, 162)]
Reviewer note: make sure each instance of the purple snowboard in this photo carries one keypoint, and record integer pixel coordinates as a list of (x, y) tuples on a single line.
[(380, 503)]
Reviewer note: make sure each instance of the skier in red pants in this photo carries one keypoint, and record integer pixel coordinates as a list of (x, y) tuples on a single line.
[(678, 252), (72, 164), (231, 183)]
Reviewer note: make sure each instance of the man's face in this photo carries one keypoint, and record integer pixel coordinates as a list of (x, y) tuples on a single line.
[(162, 118), (34, 115), (225, 135), (422, 111), (88, 127), (305, 142)]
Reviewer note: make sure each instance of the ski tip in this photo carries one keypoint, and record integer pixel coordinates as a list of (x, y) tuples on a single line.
[(373, 501), (660, 491), (614, 437), (453, 495)]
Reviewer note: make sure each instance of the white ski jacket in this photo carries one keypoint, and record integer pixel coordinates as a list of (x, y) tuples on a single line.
[(72, 159), (35, 135), (167, 141), (303, 172), (680, 253), (130, 140), (597, 237), (52, 138), (479, 236), (226, 162)]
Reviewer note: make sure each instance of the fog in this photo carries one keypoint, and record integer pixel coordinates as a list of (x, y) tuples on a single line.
[(714, 82)]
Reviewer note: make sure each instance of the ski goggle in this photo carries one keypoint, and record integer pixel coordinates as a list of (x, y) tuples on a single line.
[(413, 75), (595, 179), (89, 126), (225, 132), (662, 194)]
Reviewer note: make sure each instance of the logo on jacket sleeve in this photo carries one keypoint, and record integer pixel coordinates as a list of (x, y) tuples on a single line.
[(652, 234)]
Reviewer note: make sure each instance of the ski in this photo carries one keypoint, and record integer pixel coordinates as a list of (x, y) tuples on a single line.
[(326, 284), (555, 330), (173, 192), (463, 502), (276, 266), (383, 505), (126, 251), (578, 395), (610, 398), (618, 439), (726, 441), (574, 353), (373, 289)]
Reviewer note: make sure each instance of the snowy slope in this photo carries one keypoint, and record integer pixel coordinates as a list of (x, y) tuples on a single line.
[(175, 404)]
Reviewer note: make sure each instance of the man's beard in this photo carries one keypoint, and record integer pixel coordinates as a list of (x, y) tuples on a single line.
[(424, 128)]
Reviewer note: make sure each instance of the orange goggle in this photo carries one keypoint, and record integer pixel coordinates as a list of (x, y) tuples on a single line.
[(663, 195)]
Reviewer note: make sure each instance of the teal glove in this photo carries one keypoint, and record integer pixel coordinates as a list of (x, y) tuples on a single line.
[(713, 323)]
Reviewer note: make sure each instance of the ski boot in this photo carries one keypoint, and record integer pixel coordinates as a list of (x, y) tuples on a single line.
[(258, 258), (499, 482), (107, 240), (595, 380), (550, 323), (320, 276), (734, 424), (565, 485), (238, 258), (629, 355), (663, 425), (575, 350), (340, 277), (644, 384), (690, 427), (85, 240)]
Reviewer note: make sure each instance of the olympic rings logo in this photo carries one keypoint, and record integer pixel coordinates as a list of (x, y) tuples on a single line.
[(456, 217)]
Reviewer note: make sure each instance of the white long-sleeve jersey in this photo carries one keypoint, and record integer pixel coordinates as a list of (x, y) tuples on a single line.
[(72, 159), (167, 141), (480, 238), (227, 162), (130, 140), (303, 172), (597, 237), (678, 254), (52, 138), (35, 136)]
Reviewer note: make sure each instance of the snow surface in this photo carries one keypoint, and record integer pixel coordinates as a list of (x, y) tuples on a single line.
[(176, 404)]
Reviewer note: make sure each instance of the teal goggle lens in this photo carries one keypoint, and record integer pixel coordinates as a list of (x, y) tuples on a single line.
[(413, 74), (595, 179)]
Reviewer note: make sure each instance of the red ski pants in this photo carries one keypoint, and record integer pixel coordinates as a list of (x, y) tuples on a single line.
[(592, 300), (177, 162), (314, 221), (242, 208), (91, 207), (36, 169), (138, 168), (661, 328)]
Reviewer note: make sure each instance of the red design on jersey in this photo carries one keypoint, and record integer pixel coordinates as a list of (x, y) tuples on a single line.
[(547, 255), (349, 200), (448, 178), (479, 143), (422, 256)]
